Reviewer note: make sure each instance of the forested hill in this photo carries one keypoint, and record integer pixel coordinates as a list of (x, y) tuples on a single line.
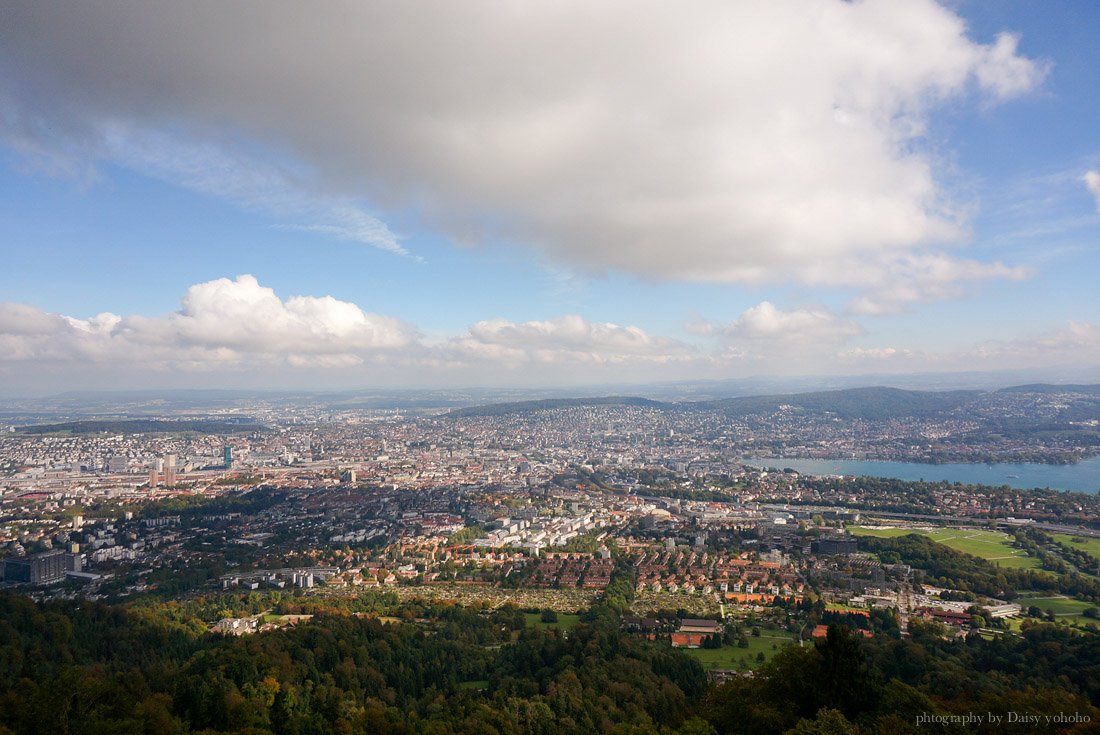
[(870, 404), (853, 403), (873, 404), (86, 668), (504, 409)]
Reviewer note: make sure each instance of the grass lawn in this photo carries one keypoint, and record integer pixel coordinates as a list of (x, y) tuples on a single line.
[(1060, 605), (566, 621), (839, 607), (732, 657), (1076, 621), (993, 546), (1067, 611), (1090, 546)]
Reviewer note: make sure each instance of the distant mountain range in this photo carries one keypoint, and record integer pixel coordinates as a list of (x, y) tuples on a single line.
[(875, 403), (514, 407), (837, 396)]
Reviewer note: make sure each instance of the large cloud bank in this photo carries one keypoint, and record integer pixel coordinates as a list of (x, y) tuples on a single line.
[(716, 141), (238, 327), (240, 324)]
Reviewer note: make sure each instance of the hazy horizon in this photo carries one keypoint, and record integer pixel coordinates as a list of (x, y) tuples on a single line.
[(686, 389)]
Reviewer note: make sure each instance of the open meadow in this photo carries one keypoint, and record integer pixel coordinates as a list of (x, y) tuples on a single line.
[(1090, 546), (768, 643)]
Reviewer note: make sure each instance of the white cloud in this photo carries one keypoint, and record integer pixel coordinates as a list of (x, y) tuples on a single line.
[(242, 314), (21, 320), (770, 339), (239, 330), (1003, 72), (1091, 180), (767, 322), (725, 141), (230, 326), (910, 279), (221, 323), (566, 339)]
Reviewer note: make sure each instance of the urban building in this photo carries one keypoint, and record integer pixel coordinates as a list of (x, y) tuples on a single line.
[(831, 546), (44, 568)]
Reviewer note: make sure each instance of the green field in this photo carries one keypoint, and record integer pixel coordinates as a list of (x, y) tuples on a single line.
[(1060, 605), (732, 657), (839, 607), (1066, 610), (993, 546), (1090, 546), (566, 621)]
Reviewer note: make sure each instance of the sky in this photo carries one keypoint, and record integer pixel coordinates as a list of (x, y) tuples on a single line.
[(276, 195)]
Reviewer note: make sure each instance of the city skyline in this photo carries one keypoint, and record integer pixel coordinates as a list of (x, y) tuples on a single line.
[(567, 194)]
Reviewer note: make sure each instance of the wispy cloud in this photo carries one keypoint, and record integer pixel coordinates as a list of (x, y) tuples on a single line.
[(249, 183), (1091, 180), (903, 281), (566, 339)]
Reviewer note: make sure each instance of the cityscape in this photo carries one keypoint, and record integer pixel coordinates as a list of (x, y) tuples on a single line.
[(549, 368), (537, 506), (268, 517)]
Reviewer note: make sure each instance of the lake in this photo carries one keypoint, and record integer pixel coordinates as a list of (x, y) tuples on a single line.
[(1083, 476)]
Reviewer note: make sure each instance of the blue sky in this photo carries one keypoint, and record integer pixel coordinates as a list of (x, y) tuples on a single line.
[(565, 194)]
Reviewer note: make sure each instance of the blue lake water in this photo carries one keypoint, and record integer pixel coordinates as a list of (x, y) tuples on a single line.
[(1083, 476)]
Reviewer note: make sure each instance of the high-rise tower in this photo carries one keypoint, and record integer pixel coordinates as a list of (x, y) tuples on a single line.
[(170, 470)]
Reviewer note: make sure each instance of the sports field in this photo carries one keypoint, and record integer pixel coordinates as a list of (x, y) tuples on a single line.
[(1060, 605), (1066, 610), (993, 546)]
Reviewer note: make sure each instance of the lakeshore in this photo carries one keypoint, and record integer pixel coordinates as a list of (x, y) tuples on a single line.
[(1081, 477)]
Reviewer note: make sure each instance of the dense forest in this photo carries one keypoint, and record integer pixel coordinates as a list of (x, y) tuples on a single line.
[(886, 685), (93, 668), (86, 667)]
